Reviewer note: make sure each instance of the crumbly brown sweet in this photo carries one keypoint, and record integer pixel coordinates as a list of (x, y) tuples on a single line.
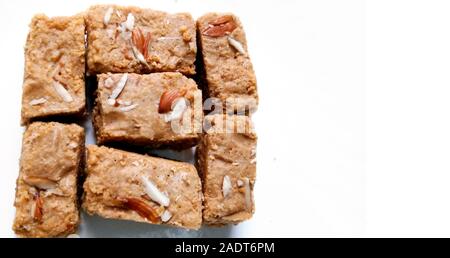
[(54, 68), (129, 186), (227, 164), (228, 70), (135, 40), (46, 194), (157, 110)]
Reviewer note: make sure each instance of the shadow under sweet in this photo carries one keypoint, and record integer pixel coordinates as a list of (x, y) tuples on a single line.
[(94, 226)]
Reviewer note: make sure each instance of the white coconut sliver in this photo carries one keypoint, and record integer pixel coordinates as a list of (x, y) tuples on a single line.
[(38, 101), (119, 87), (107, 16), (226, 186), (62, 92), (236, 44), (166, 216), (154, 193), (178, 109)]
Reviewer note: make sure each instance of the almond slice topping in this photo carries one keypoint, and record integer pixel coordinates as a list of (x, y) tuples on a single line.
[(166, 216), (128, 108), (178, 109), (248, 194), (220, 27), (141, 207), (38, 101), (62, 92), (36, 208), (107, 16), (154, 193), (140, 41), (236, 44), (226, 186), (119, 88), (168, 98)]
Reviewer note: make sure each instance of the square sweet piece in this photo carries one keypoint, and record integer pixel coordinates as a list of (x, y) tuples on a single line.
[(227, 68), (130, 186), (54, 68), (46, 193), (227, 164), (155, 110), (134, 40)]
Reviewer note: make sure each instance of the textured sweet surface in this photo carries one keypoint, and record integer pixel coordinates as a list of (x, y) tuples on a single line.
[(54, 68), (134, 116), (227, 163), (51, 157), (229, 73), (171, 40), (115, 175)]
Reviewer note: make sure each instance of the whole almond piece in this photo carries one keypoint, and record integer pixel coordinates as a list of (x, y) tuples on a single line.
[(222, 19), (141, 207), (167, 99)]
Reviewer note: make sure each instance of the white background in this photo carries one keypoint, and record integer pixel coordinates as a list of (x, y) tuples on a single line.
[(354, 135)]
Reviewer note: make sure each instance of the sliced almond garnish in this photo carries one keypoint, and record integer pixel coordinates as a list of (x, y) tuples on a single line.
[(141, 207), (141, 41), (154, 193), (38, 101), (107, 16), (128, 108), (236, 44), (248, 194), (178, 109), (62, 92), (240, 183), (166, 216), (226, 186), (41, 183), (129, 23), (168, 98), (108, 82), (36, 208), (119, 88), (220, 27), (222, 19)]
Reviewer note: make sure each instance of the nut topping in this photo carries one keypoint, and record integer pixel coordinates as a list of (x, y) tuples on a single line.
[(140, 41), (141, 207), (168, 98), (36, 208), (220, 27)]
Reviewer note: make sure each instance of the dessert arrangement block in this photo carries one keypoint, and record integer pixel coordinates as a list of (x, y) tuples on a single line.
[(135, 40), (54, 68), (228, 70), (227, 164), (129, 186), (142, 60), (46, 193), (141, 109)]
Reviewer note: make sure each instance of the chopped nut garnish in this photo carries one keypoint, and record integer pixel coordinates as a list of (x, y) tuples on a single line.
[(236, 44), (220, 27), (226, 186), (109, 82), (36, 208), (73, 145), (178, 109), (240, 183), (62, 92), (119, 88), (141, 207), (248, 193), (168, 98), (141, 42), (154, 193), (41, 183), (253, 161), (235, 163), (166, 216), (38, 101), (107, 16), (128, 108)]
